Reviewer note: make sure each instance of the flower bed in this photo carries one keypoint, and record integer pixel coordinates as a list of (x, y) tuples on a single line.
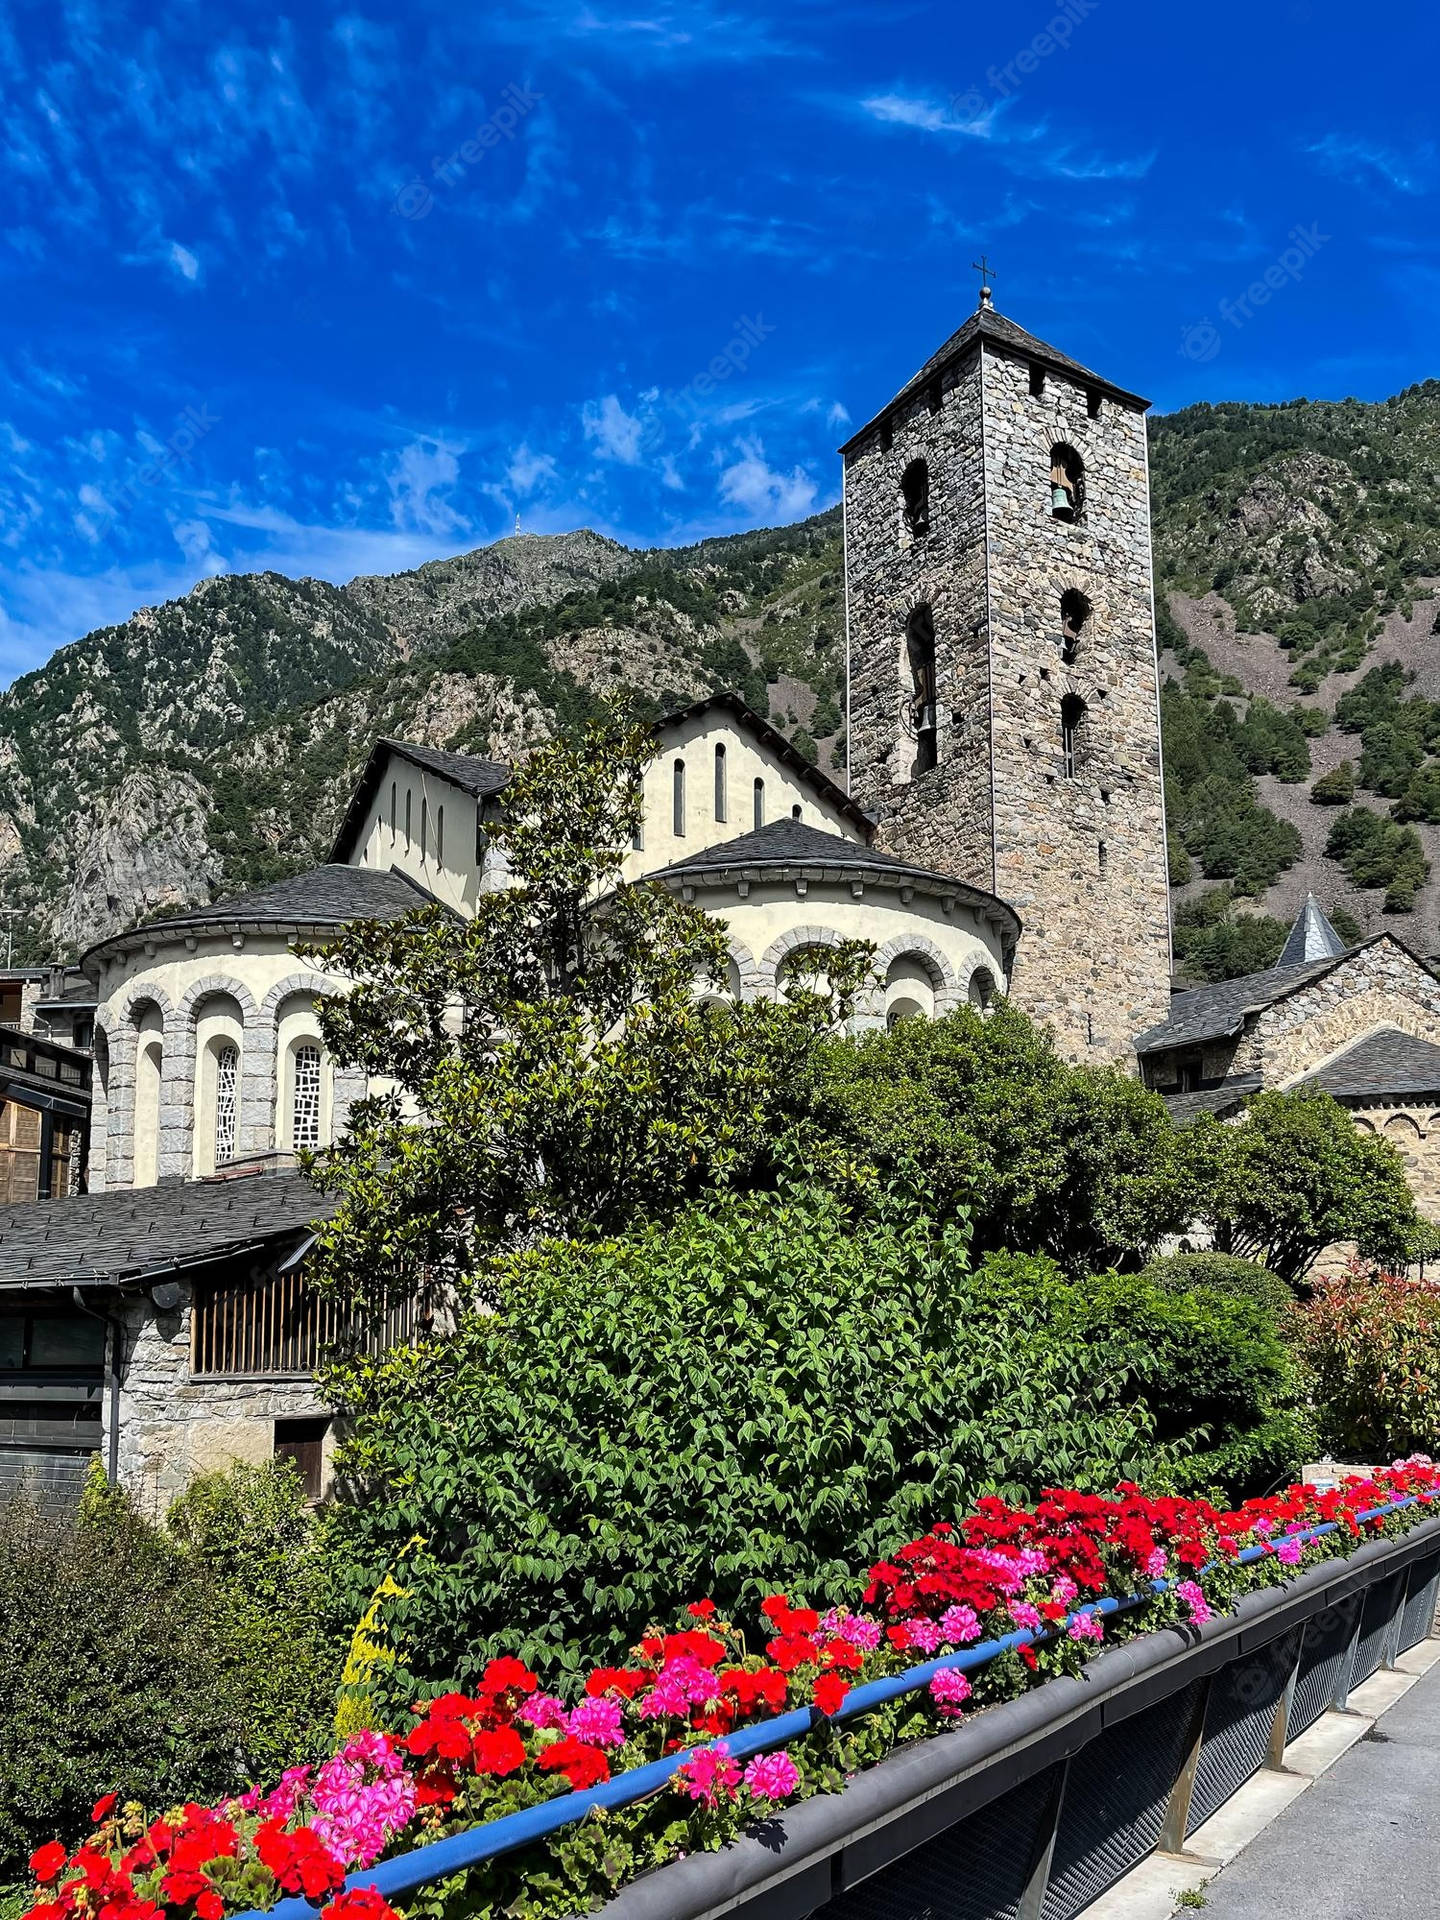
[(1043, 1581)]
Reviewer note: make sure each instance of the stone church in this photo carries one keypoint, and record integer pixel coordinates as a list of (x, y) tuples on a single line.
[(1002, 831)]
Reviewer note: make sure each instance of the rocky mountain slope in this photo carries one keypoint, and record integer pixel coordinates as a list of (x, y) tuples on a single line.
[(207, 745)]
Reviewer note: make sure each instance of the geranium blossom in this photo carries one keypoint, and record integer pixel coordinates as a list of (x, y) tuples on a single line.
[(1193, 1594), (949, 1690), (772, 1776), (709, 1775)]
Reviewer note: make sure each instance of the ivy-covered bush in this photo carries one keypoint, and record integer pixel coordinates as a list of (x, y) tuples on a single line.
[(1371, 1345), (771, 1390), (130, 1662)]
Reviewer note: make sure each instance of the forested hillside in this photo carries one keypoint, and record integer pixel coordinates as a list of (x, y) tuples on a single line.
[(208, 744)]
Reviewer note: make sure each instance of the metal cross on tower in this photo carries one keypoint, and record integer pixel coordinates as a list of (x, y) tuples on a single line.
[(982, 267)]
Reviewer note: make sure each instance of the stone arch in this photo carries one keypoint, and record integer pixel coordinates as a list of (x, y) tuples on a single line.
[(745, 975), (118, 1024), (949, 993), (180, 1077), (263, 1078), (793, 940), (978, 962)]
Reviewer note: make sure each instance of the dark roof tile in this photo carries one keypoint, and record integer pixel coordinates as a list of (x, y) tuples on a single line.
[(1214, 1012), (144, 1232), (1381, 1066)]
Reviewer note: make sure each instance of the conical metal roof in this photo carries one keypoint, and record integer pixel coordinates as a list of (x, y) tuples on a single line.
[(1311, 938)]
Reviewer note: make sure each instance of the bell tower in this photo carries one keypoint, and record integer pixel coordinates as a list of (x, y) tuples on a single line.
[(1003, 713)]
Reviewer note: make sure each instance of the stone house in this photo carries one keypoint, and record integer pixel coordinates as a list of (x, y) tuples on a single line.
[(1360, 1024)]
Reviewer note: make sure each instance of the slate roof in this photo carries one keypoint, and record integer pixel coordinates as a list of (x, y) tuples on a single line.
[(1381, 1066), (143, 1233), (985, 323), (1311, 938), (791, 843), (1217, 1100), (471, 772), (1214, 1012), (329, 896)]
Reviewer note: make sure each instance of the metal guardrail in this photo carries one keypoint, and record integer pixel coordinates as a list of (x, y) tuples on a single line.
[(441, 1858)]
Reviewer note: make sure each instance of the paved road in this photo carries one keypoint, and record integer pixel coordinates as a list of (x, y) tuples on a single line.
[(1363, 1841)]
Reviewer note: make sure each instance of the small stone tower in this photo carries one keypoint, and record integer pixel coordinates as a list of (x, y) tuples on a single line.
[(1003, 715)]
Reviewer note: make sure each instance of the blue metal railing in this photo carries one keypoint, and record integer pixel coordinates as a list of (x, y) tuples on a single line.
[(476, 1845)]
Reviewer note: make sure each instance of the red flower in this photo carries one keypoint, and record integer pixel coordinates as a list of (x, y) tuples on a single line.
[(701, 1609), (830, 1692), (843, 1657), (793, 1651), (46, 1862), (583, 1766), (500, 1752), (1030, 1657), (299, 1861), (751, 1690), (210, 1906), (509, 1676), (622, 1680), (701, 1647), (364, 1903), (102, 1806)]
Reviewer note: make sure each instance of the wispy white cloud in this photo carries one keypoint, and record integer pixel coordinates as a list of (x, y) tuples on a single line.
[(756, 488), (1363, 162), (616, 433), (421, 478), (184, 262), (928, 115), (528, 470)]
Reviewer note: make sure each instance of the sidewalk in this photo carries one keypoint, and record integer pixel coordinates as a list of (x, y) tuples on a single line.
[(1364, 1840)]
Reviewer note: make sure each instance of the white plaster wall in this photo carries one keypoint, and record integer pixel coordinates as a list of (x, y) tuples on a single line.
[(453, 878), (694, 741), (774, 920)]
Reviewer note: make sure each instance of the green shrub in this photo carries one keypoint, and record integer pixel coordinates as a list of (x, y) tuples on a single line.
[(1336, 788), (769, 1394), (1220, 1273), (127, 1664), (1371, 1346), (1080, 1163)]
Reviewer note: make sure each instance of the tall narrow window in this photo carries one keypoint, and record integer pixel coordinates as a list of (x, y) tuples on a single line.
[(305, 1099), (424, 828), (795, 811), (227, 1075), (1074, 612), (721, 812), (407, 816), (915, 496), (1067, 483), (1037, 381), (1072, 734), (439, 835), (392, 809), (759, 804), (679, 800), (920, 651)]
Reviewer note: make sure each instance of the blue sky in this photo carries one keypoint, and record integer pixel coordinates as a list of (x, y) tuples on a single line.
[(337, 291)]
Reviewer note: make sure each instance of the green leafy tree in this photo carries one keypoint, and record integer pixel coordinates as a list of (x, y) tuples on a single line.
[(1371, 1346), (1296, 1175), (983, 1116), (551, 1067), (1336, 788)]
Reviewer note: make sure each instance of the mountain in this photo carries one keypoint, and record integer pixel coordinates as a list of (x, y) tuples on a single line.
[(208, 744)]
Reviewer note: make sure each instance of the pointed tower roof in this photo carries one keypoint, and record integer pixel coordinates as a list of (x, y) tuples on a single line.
[(1311, 938), (992, 327)]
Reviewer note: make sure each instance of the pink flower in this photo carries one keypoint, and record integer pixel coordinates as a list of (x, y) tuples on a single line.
[(1264, 1527), (1024, 1615), (1289, 1552), (709, 1775), (361, 1799), (925, 1635), (1086, 1626), (1158, 1564), (772, 1776), (1193, 1595), (960, 1625), (949, 1690), (543, 1710), (598, 1723), (683, 1683)]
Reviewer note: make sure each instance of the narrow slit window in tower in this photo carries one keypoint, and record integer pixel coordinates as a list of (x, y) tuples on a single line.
[(679, 800), (721, 812), (1037, 382), (915, 496), (1074, 612), (920, 712), (1072, 734), (759, 804), (1067, 483)]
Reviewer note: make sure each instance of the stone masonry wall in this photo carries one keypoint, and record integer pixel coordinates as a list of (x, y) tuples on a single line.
[(173, 1426), (940, 819), (1378, 986), (997, 809), (1414, 1132), (1081, 859)]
